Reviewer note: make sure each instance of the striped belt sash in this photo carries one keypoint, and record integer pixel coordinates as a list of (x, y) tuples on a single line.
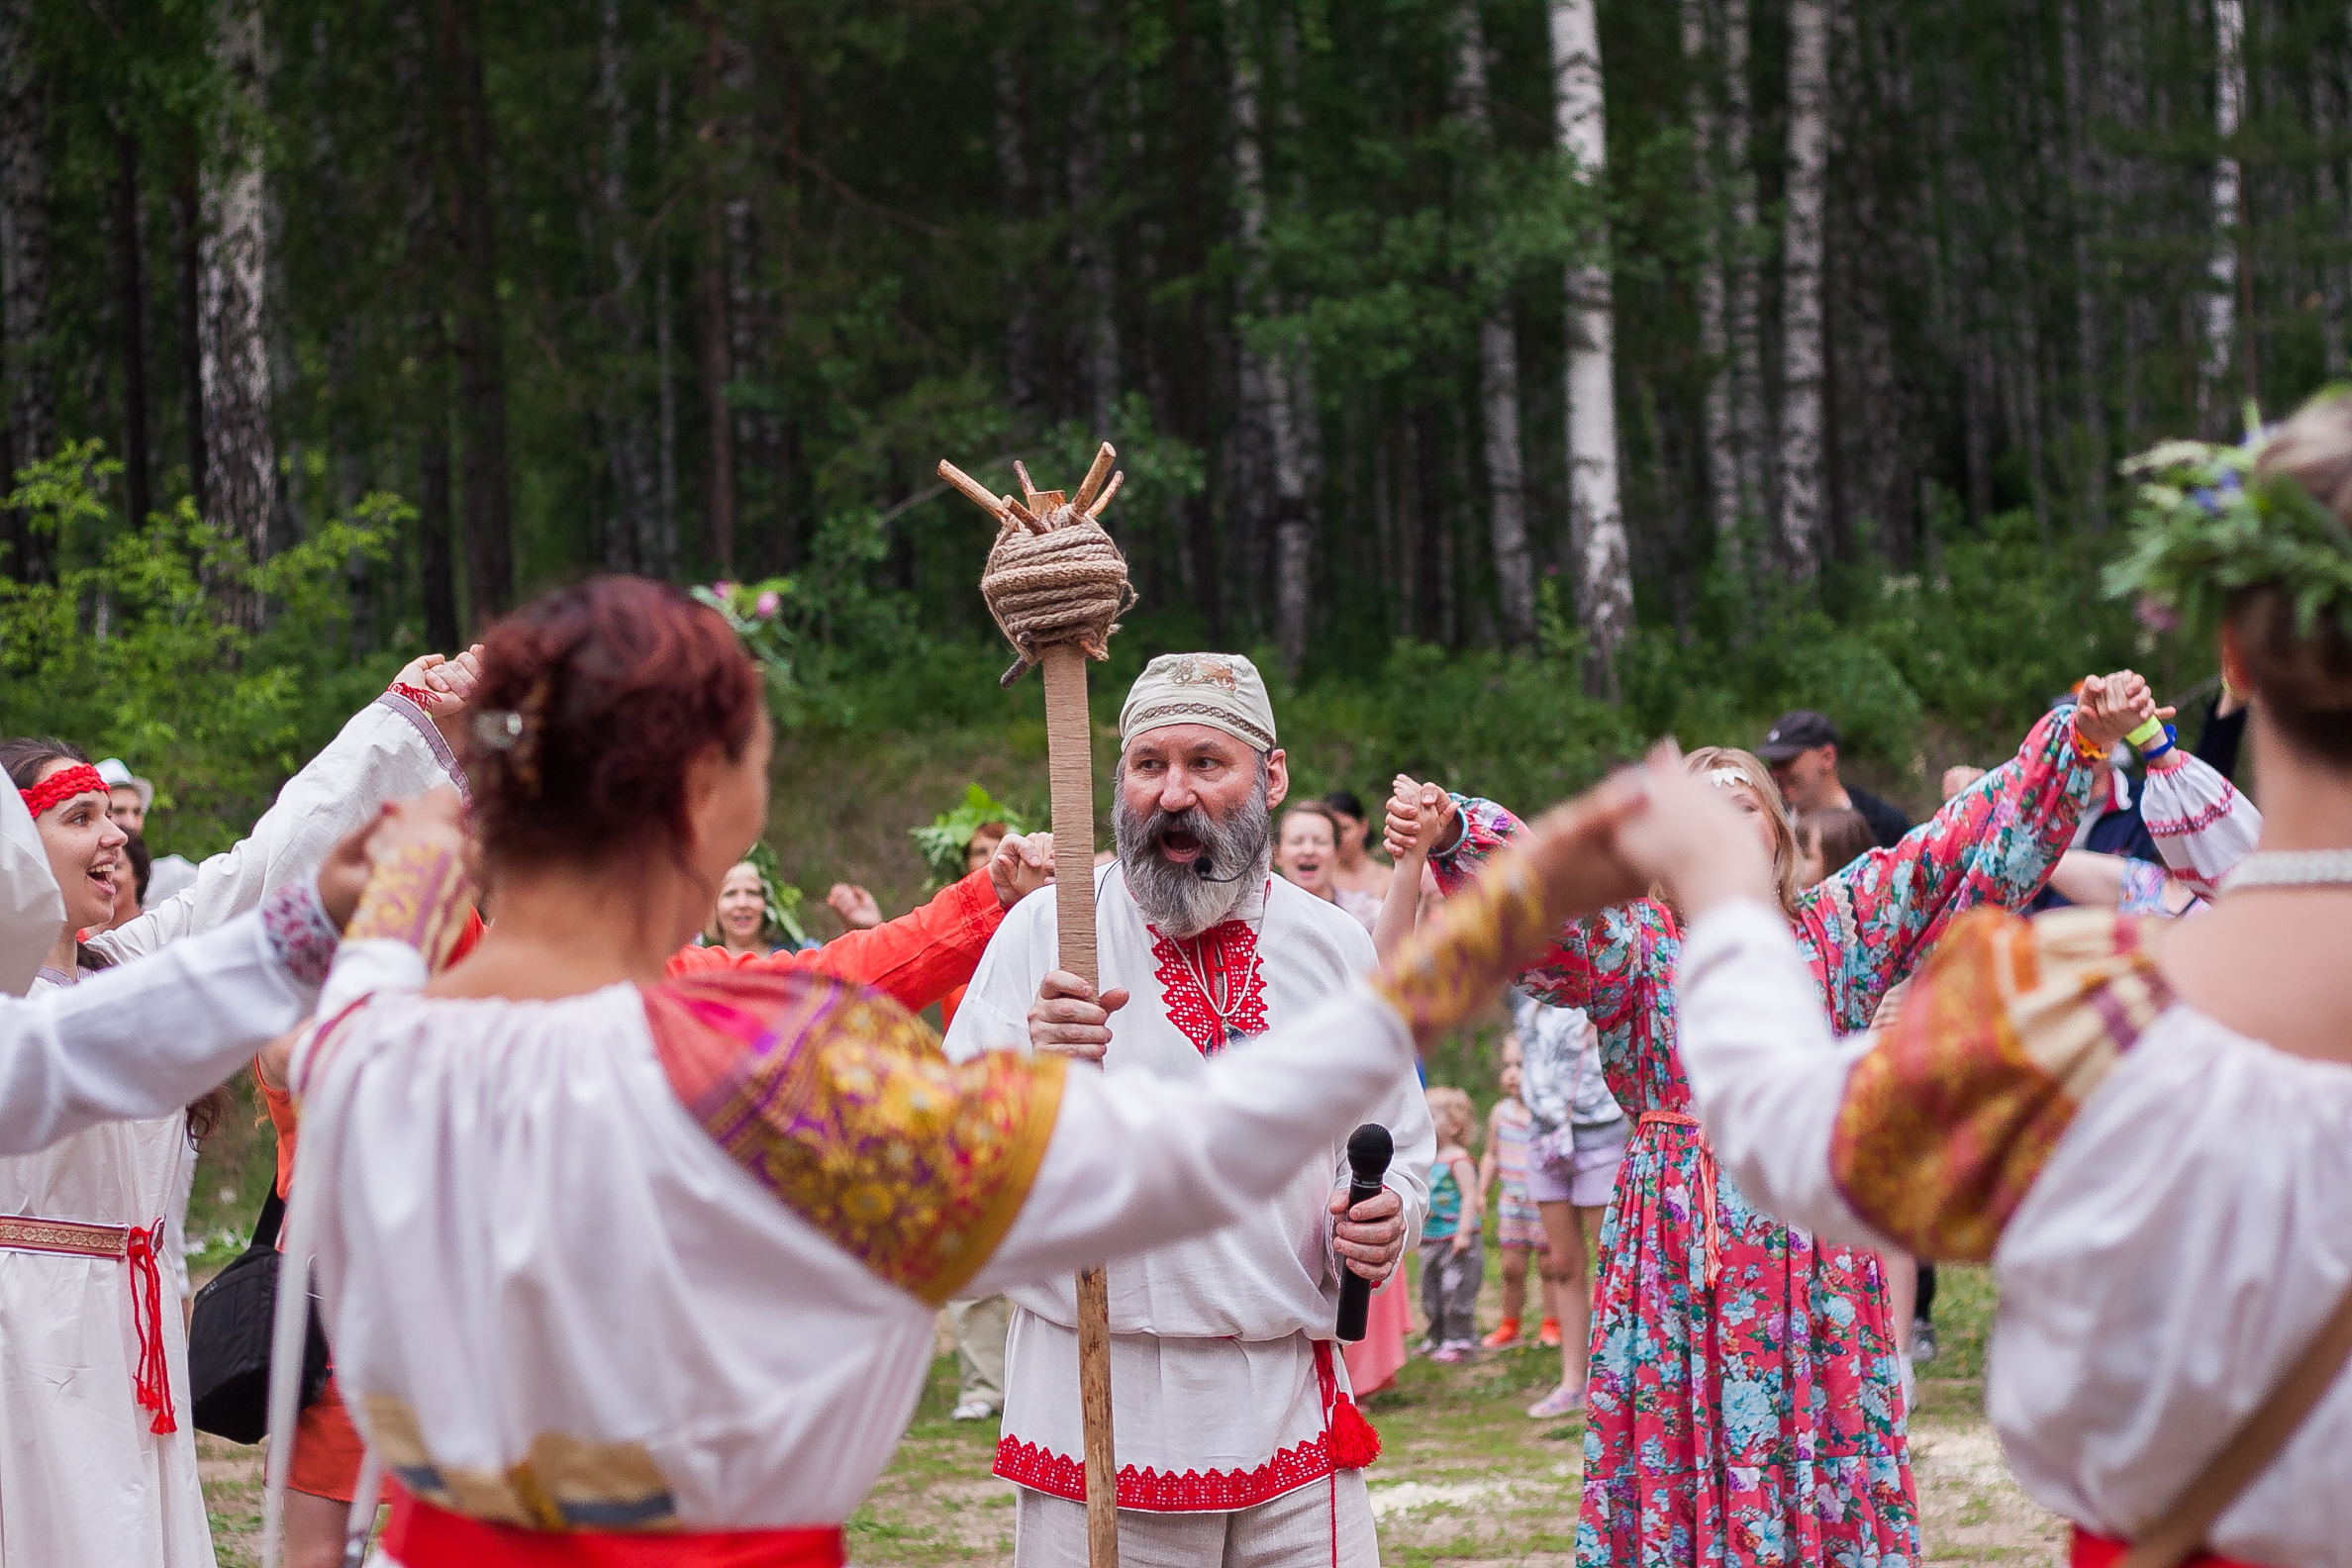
[(1713, 1220), (136, 1245)]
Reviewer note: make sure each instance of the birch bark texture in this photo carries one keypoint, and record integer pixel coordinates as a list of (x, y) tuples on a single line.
[(1801, 290), (1596, 526), (23, 269), (241, 455), (1272, 385), (1497, 370), (2222, 326), (1723, 455)]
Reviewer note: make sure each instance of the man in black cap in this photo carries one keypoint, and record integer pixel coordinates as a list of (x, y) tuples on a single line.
[(1801, 751)]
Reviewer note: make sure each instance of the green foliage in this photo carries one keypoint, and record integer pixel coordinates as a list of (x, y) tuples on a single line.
[(951, 833), (2207, 525), (132, 650), (783, 899)]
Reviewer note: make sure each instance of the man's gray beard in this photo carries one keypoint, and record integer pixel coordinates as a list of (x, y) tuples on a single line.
[(1175, 898)]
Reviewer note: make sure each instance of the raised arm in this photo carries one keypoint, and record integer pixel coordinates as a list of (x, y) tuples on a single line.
[(922, 955), (1927, 1134), (1602, 961), (391, 749), (1994, 843)]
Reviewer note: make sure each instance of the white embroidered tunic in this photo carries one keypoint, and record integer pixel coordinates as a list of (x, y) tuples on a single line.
[(2161, 1198), (669, 1258), (86, 1480), (1213, 1360)]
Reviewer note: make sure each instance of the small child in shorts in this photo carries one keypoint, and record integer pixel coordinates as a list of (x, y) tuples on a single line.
[(1451, 1265), (1518, 1228)]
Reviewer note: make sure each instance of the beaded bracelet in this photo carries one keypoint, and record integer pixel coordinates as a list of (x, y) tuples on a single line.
[(415, 694)]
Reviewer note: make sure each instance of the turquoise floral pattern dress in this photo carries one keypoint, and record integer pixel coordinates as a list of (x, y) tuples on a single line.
[(1759, 1418)]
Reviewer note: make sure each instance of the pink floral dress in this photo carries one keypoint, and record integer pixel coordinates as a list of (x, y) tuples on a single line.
[(1745, 1404)]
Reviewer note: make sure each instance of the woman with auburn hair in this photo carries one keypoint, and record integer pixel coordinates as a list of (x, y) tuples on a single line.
[(2138, 1123), (1743, 1402), (562, 1200)]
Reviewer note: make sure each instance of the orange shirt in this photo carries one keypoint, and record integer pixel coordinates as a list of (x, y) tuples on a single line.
[(915, 959)]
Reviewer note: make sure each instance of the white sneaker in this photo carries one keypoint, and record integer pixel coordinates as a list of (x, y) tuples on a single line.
[(973, 1410)]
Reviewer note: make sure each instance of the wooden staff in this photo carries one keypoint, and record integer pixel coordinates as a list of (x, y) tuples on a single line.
[(1056, 585)]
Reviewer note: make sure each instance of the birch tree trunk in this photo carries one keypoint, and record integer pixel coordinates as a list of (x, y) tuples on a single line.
[(1497, 375), (1268, 393), (1744, 326), (1722, 454), (2081, 20), (24, 270), (486, 502), (666, 376), (1597, 527), (1012, 210), (241, 456), (634, 543), (2221, 269), (714, 356), (1090, 234), (130, 291), (1800, 291)]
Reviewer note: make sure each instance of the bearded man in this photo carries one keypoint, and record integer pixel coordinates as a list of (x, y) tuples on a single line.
[(1224, 1376)]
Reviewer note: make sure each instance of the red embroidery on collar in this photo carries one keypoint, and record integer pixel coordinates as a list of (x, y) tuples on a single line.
[(1229, 948)]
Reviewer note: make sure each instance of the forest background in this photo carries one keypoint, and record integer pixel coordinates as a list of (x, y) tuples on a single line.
[(1517, 378)]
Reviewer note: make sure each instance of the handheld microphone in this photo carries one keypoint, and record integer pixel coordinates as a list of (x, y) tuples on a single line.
[(1369, 1150)]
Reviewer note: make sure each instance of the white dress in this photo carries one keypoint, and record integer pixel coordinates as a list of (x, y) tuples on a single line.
[(86, 1478), (1214, 1365), (2161, 1198), (669, 1257)]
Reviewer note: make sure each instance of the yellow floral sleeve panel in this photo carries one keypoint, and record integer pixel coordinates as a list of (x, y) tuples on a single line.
[(420, 896), (840, 1102), (1951, 1113), (1478, 941)]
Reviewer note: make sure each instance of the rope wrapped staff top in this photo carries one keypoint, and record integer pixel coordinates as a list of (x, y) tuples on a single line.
[(1054, 574)]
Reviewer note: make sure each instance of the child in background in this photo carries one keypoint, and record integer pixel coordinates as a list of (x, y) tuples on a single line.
[(1452, 1265), (1518, 1228)]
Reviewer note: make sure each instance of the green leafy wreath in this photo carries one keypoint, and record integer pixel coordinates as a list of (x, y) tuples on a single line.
[(943, 843), (783, 899), (2205, 525)]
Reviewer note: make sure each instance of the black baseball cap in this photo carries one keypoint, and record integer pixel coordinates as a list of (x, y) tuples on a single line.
[(1799, 729)]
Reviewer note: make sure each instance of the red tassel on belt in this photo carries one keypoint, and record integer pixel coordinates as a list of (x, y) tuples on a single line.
[(153, 1376), (1707, 1186)]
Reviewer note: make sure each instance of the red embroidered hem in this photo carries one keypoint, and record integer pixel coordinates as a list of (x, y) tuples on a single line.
[(1152, 1492)]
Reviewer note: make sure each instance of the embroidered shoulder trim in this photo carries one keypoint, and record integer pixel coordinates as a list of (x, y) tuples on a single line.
[(1228, 948), (299, 934), (839, 1100), (2008, 1032), (1040, 1469)]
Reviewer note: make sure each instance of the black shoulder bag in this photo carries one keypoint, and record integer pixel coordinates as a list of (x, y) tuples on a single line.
[(228, 1338)]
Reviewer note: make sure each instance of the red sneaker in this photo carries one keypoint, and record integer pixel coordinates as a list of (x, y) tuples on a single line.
[(1506, 1332), (1548, 1336)]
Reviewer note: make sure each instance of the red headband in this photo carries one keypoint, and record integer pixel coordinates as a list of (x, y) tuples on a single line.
[(65, 784)]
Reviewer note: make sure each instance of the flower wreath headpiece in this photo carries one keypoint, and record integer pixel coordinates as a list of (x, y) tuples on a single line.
[(2205, 525)]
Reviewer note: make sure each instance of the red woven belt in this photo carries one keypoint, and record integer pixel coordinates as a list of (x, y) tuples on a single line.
[(1712, 1224), (2096, 1552), (152, 1379), (421, 1536)]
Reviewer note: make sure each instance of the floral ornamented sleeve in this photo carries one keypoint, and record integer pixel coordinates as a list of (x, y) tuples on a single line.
[(840, 1103)]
